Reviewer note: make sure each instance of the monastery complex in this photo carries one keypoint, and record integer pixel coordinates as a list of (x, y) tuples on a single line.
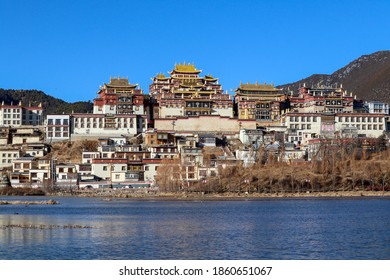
[(183, 117)]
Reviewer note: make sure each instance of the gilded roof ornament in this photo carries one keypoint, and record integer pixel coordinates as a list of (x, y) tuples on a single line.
[(119, 82), (185, 67), (258, 86)]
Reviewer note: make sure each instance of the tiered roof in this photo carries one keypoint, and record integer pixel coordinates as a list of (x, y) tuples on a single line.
[(185, 79), (116, 82), (256, 88), (185, 68)]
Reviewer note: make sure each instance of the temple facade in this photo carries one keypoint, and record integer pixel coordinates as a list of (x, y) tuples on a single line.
[(305, 126), (79, 125), (331, 99), (119, 97), (119, 110), (261, 102), (107, 124), (185, 93)]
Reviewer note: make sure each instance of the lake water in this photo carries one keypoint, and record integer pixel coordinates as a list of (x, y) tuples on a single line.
[(342, 228)]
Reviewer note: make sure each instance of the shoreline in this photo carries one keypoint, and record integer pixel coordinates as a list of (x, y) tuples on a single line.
[(26, 202), (109, 196)]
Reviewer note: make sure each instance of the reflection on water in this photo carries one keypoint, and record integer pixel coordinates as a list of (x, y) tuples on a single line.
[(261, 229)]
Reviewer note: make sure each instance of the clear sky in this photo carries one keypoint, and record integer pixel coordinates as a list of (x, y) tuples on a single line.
[(68, 48)]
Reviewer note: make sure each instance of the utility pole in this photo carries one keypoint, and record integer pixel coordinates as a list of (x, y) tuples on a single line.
[(110, 166), (173, 125)]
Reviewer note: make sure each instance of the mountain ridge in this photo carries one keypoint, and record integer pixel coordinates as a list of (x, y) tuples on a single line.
[(367, 77), (50, 104)]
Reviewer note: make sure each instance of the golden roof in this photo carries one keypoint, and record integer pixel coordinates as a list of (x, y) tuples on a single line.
[(257, 86), (210, 78), (189, 68), (161, 76), (119, 82)]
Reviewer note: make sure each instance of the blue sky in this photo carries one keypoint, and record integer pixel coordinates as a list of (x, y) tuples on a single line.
[(69, 48)]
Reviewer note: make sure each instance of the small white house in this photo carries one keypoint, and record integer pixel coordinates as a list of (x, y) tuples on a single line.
[(66, 175), (105, 168), (87, 157), (251, 137), (7, 155), (57, 128)]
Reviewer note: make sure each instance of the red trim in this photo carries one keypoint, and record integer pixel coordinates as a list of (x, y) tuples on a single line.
[(109, 160)]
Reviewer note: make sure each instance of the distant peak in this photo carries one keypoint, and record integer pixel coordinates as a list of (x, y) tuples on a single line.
[(368, 77)]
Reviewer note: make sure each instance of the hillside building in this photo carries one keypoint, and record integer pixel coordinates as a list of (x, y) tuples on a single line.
[(261, 102), (26, 135), (252, 137), (377, 107), (95, 125), (331, 99), (7, 155), (66, 175), (306, 126), (109, 168), (20, 175), (18, 115), (185, 93), (65, 127), (119, 97), (40, 174), (204, 124), (150, 169), (367, 125), (156, 138), (57, 128), (118, 111), (5, 135)]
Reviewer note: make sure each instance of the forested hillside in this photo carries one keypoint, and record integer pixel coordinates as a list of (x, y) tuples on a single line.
[(50, 104)]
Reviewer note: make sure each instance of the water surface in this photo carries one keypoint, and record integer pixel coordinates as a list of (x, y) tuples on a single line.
[(342, 228)]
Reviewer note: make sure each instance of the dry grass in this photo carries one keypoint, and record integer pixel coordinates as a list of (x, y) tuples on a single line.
[(71, 151), (336, 172)]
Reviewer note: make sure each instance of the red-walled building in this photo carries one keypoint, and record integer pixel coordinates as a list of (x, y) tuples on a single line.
[(119, 97)]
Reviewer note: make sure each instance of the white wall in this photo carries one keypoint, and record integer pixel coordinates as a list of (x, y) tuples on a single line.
[(204, 123), (372, 125), (7, 156), (225, 112), (102, 170), (166, 111)]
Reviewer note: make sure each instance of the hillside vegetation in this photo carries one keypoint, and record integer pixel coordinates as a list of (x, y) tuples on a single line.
[(337, 168), (51, 105), (71, 151)]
